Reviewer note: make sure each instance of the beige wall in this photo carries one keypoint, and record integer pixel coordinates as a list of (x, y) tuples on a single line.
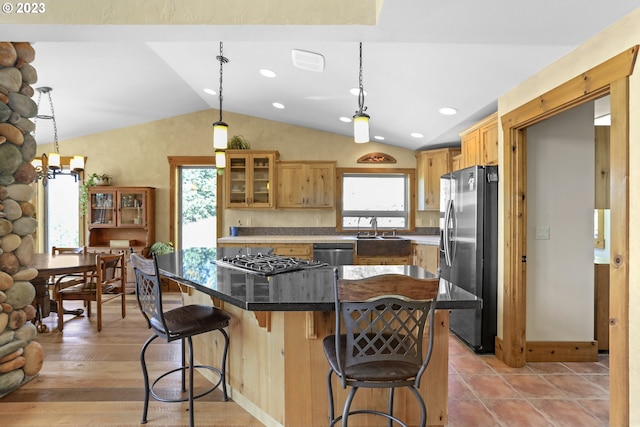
[(610, 42), (137, 156)]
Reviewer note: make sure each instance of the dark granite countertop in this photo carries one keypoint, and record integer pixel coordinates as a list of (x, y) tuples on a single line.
[(303, 290)]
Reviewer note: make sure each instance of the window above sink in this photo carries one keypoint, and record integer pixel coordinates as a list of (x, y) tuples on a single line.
[(383, 194)]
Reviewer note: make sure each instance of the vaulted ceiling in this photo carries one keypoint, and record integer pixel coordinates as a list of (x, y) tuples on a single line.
[(113, 65)]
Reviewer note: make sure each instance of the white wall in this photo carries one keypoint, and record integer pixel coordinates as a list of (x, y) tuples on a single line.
[(560, 197)]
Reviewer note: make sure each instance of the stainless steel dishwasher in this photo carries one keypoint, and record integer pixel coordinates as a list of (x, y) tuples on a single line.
[(333, 253)]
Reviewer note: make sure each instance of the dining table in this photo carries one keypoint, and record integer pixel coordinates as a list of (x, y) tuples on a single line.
[(51, 266)]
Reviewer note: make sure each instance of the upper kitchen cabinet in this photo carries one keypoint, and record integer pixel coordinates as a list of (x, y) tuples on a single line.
[(249, 179), (306, 184), (430, 166), (480, 143), (121, 214)]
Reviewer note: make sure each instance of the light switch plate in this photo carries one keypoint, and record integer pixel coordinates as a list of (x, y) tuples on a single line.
[(543, 233)]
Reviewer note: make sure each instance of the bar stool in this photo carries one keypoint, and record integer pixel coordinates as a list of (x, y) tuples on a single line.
[(380, 323), (181, 323)]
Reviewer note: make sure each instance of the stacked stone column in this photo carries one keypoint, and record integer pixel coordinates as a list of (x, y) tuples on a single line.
[(20, 356)]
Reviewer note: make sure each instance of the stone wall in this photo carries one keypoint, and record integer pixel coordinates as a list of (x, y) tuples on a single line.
[(20, 356)]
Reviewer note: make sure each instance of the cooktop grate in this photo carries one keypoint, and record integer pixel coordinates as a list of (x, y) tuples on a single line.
[(267, 264)]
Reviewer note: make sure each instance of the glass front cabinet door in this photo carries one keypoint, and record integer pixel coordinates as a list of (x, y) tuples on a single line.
[(250, 176), (102, 212), (131, 208)]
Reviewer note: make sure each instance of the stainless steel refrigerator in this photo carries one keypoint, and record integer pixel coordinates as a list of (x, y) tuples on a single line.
[(469, 249)]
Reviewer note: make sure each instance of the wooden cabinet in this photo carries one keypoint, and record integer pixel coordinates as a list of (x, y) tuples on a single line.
[(122, 214), (430, 166), (302, 251), (249, 179), (479, 143), (380, 260), (427, 257), (306, 184)]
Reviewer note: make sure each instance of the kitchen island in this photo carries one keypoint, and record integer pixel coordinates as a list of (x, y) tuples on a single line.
[(276, 367)]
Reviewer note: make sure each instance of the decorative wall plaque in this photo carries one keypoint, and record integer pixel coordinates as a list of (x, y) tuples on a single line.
[(376, 158)]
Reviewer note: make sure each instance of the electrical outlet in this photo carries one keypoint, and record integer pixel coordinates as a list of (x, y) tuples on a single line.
[(249, 222)]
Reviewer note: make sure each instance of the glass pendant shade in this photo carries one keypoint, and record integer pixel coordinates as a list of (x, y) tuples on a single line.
[(220, 159), (36, 163), (361, 128), (77, 163), (54, 161), (220, 135)]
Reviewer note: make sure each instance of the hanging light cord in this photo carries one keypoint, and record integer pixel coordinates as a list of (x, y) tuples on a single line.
[(361, 106), (222, 60), (52, 117)]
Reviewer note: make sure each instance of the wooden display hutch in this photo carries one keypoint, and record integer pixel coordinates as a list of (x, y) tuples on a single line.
[(121, 217)]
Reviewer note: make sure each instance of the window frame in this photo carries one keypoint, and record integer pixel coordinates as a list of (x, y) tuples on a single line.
[(410, 196)]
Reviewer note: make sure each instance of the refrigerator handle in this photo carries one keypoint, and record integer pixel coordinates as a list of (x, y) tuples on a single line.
[(447, 238)]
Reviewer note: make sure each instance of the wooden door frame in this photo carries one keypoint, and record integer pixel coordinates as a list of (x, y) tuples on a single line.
[(176, 162), (610, 77)]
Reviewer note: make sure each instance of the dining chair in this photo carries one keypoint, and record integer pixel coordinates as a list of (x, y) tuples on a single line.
[(107, 284), (71, 279), (180, 323), (378, 343)]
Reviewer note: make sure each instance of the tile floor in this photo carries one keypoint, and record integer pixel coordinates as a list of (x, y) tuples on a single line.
[(484, 392)]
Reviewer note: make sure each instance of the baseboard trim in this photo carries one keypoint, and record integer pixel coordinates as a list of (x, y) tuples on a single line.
[(555, 351), (562, 351)]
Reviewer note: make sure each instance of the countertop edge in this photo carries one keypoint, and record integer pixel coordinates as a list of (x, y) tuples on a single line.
[(431, 240)]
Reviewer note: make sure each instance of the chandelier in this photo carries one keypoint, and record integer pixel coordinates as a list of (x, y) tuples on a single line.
[(47, 167), (220, 128), (361, 119)]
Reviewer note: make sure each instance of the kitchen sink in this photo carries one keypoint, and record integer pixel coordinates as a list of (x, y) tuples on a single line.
[(390, 246)]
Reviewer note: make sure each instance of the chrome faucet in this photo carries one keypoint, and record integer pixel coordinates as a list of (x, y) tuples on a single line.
[(374, 225)]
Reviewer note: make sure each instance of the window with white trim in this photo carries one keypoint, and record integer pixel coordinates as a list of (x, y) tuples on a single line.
[(384, 196)]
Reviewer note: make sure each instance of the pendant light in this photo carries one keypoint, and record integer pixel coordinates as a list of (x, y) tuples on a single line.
[(220, 127), (361, 119)]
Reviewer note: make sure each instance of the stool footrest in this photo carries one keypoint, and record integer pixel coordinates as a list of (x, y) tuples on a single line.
[(159, 398)]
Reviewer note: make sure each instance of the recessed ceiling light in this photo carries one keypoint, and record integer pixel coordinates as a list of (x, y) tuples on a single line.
[(309, 61), (379, 138), (278, 105), (210, 91), (356, 91), (345, 119), (267, 73), (448, 111), (417, 135)]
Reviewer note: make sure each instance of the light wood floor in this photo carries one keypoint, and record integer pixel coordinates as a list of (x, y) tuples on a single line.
[(95, 379)]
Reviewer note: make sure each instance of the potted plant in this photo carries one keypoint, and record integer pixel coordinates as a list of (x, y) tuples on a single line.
[(238, 142), (93, 180), (160, 248)]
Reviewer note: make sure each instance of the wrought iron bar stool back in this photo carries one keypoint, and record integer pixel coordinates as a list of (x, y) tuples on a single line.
[(380, 326), (180, 323)]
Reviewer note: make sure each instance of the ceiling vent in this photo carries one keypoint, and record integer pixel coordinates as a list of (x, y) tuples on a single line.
[(309, 61)]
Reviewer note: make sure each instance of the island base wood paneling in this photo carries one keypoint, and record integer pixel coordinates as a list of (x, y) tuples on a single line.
[(279, 376)]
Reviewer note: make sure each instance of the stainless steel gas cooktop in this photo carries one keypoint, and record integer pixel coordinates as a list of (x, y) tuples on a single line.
[(267, 264)]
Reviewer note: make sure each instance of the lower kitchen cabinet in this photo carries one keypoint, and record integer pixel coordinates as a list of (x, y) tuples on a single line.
[(380, 260), (302, 251), (427, 257)]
